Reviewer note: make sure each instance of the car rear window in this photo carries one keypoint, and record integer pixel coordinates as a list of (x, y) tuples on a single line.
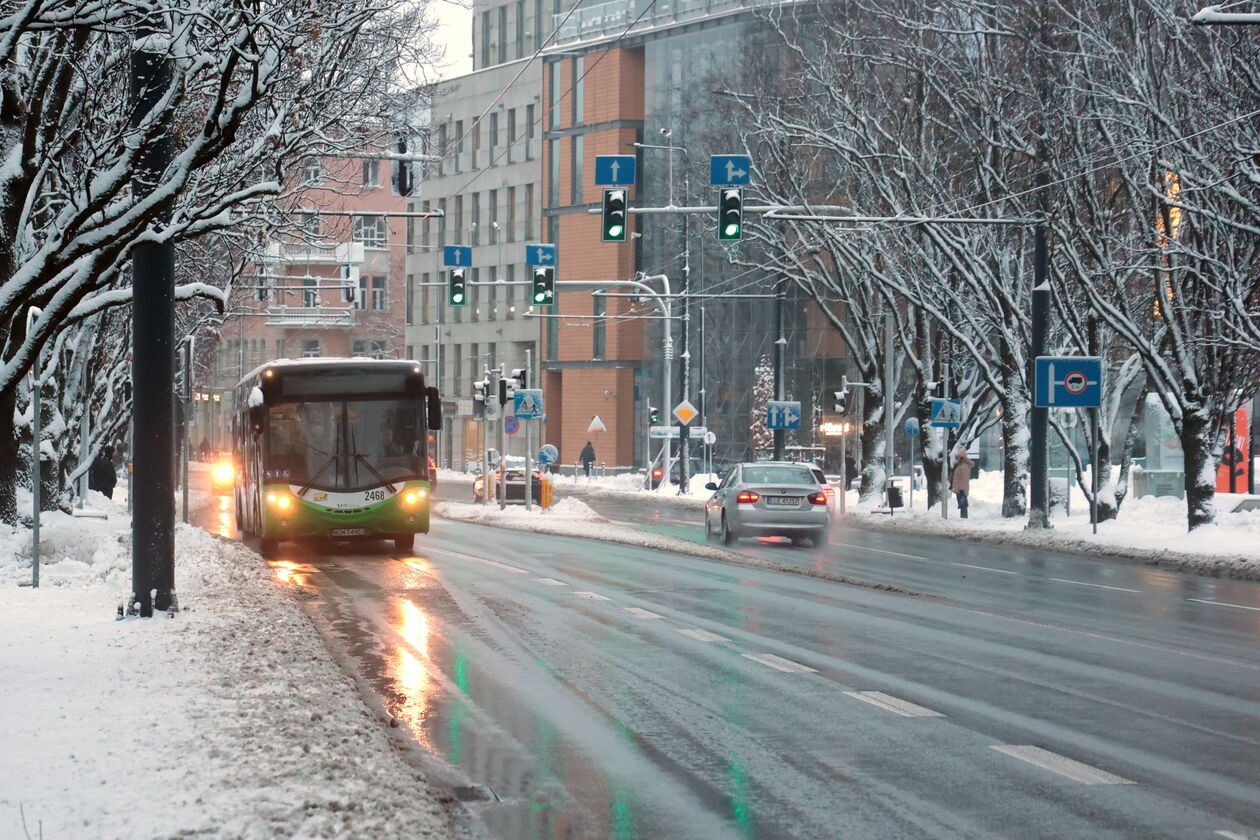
[(779, 475)]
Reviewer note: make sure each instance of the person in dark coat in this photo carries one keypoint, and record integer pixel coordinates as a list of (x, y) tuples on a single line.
[(587, 458), (101, 475), (850, 471)]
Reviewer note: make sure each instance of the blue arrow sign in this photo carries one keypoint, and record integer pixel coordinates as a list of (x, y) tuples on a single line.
[(946, 414), (783, 414), (614, 170), (912, 425), (1067, 382), (528, 403), (730, 170), (456, 256), (540, 254)]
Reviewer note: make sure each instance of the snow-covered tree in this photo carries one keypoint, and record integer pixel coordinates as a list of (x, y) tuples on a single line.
[(763, 392)]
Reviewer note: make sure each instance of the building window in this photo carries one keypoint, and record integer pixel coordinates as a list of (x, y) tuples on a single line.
[(310, 348), (511, 214), (371, 348), (424, 298), (474, 364), (539, 26), (530, 133), (411, 300), (553, 172), (485, 38), (475, 130), (441, 222), (378, 293), (459, 220), (426, 230), (529, 211), (312, 172), (310, 295), (457, 364), (597, 327), (492, 294), (280, 348), (441, 147), (511, 132), (474, 221), (308, 224), (501, 34), (411, 352), (510, 294), (361, 297), (553, 84), (459, 147), (494, 139), (492, 204), (372, 231), (579, 86), (474, 294), (520, 28), (371, 173), (575, 170)]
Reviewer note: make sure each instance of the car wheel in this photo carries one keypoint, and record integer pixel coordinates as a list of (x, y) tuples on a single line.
[(728, 536), (708, 529), (405, 542)]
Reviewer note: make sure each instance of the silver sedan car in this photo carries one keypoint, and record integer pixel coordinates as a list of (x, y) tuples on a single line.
[(768, 499)]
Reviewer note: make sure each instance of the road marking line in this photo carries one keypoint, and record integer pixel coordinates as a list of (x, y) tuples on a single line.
[(504, 566), (882, 551), (1063, 766), (640, 613), (701, 635), (1223, 604), (593, 596), (1096, 585), (893, 704), (779, 663), (985, 568), (551, 582), (1230, 835)]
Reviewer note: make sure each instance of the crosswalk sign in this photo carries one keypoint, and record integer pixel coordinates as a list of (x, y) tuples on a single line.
[(528, 403), (946, 414)]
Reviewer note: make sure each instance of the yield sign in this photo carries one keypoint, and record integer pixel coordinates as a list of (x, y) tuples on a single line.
[(686, 412), (596, 425)]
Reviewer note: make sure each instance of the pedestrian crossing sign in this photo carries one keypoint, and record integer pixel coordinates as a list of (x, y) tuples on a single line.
[(528, 403), (946, 414)]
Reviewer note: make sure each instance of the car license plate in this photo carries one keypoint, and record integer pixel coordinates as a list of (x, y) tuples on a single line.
[(349, 532), (783, 501)]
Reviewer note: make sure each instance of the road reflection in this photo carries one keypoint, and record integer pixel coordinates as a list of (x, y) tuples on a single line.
[(410, 667), (226, 525), (290, 573)]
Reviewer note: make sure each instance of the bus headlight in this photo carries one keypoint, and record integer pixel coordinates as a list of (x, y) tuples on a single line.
[(411, 497), (223, 473), (280, 500)]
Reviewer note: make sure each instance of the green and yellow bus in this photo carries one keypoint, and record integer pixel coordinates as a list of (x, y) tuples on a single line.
[(334, 449)]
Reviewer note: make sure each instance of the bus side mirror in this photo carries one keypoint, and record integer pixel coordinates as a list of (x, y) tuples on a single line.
[(433, 408), (257, 415)]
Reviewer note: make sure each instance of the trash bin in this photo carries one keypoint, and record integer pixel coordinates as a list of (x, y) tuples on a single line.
[(894, 496)]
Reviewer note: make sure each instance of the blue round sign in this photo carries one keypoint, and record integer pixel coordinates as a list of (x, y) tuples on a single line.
[(912, 426), (548, 455), (511, 425)]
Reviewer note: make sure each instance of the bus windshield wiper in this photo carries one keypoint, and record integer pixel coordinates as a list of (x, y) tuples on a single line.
[(359, 457), (332, 459)]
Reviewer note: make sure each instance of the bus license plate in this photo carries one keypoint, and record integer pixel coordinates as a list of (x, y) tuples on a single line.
[(783, 501), (349, 532)]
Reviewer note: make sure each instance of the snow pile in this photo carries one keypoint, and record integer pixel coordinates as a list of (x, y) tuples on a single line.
[(631, 485), (564, 510), (72, 549), (229, 720), (1150, 528)]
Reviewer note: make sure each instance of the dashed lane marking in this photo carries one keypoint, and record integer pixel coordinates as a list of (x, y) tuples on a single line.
[(882, 551), (985, 568), (1096, 585), (1063, 766), (593, 596), (779, 663), (701, 635), (640, 613), (551, 582), (893, 704), (516, 570), (1233, 835), (1223, 604)]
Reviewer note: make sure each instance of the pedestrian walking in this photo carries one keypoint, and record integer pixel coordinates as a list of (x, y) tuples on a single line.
[(850, 471), (101, 475), (961, 482), (587, 458)]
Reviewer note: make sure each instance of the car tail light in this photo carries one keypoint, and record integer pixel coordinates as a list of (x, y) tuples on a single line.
[(657, 473), (747, 497), (818, 499)]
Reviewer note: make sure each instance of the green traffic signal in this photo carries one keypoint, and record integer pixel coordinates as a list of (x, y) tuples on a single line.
[(544, 285), (457, 288), (614, 216), (730, 213)]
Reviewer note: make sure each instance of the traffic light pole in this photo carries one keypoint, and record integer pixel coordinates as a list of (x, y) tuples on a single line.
[(779, 345), (153, 358)]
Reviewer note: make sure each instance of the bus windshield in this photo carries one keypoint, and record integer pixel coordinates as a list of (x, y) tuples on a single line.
[(345, 445)]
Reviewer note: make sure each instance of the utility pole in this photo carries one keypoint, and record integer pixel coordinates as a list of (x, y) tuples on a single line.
[(37, 475), (153, 356), (780, 344), (888, 409), (704, 420), (945, 467), (684, 429), (187, 403)]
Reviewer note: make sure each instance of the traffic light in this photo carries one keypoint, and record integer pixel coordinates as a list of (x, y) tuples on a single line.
[(841, 405), (457, 288), (506, 390), (263, 284), (521, 375), (730, 213), (479, 400), (654, 415), (544, 286), (614, 229), (402, 169), (349, 283)]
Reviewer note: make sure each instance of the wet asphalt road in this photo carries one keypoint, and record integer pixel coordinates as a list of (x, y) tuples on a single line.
[(596, 690)]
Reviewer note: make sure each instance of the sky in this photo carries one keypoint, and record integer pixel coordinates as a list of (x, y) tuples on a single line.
[(455, 35)]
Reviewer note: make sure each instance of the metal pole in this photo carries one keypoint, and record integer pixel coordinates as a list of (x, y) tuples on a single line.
[(1038, 509), (184, 453), (945, 465), (845, 478), (888, 408), (503, 450), (704, 419), (910, 503), (1093, 501), (667, 390), (779, 344), (32, 315), (153, 358), (684, 429), (647, 441), (529, 474)]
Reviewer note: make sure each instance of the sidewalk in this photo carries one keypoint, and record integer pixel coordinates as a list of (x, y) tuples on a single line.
[(229, 720)]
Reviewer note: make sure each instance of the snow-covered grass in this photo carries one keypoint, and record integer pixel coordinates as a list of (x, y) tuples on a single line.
[(229, 720), (631, 485), (1150, 528)]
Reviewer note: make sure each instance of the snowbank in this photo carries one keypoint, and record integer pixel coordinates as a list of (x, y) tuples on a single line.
[(564, 510), (631, 485), (1152, 529), (229, 720)]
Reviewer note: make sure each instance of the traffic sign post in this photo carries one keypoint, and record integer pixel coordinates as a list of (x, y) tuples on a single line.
[(1073, 382), (912, 431), (615, 170), (730, 170), (783, 414)]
